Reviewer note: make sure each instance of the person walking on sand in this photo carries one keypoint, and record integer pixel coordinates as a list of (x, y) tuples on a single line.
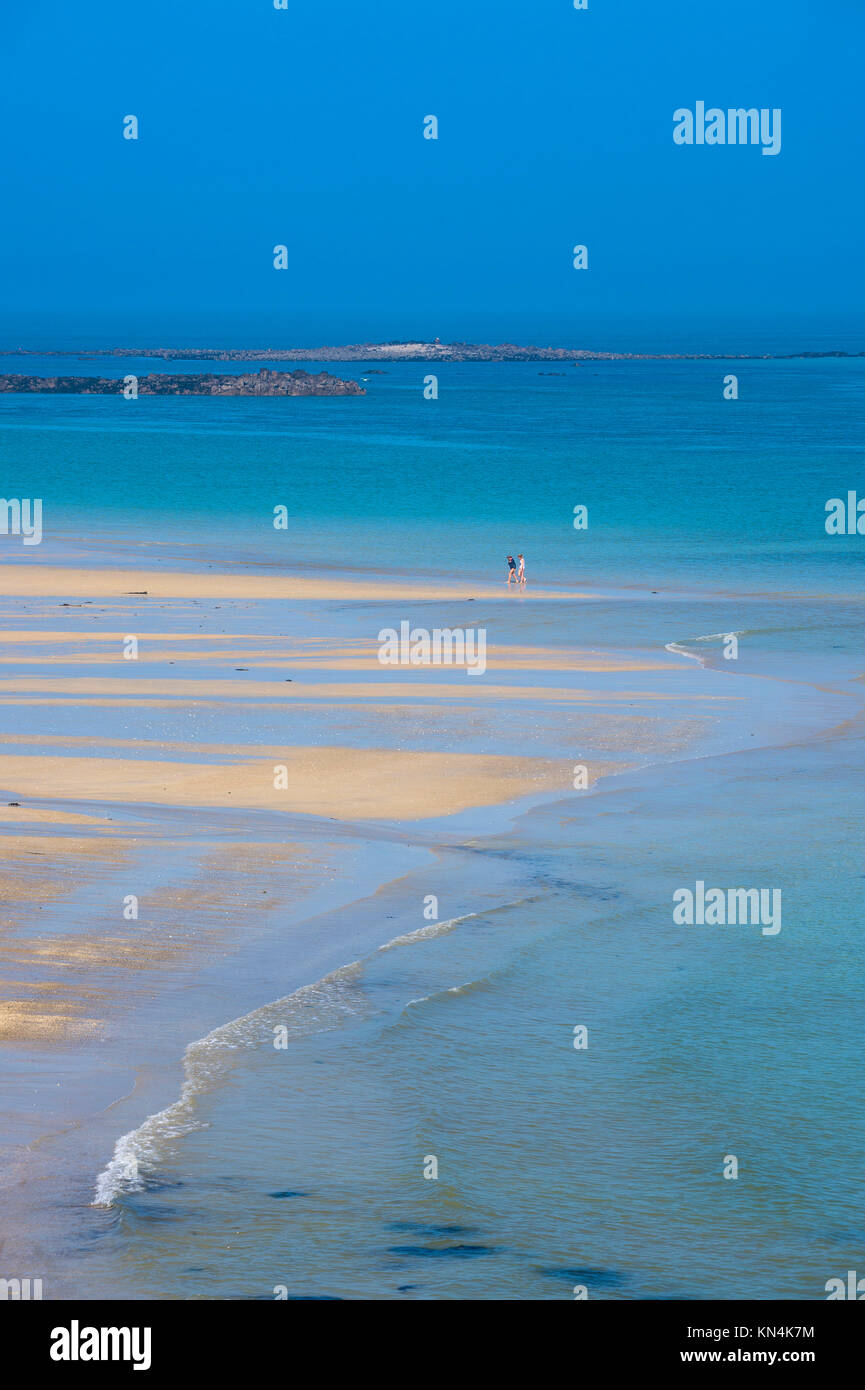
[(512, 570), (521, 572)]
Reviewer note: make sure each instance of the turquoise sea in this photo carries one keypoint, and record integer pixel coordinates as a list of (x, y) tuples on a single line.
[(682, 486), (303, 1171)]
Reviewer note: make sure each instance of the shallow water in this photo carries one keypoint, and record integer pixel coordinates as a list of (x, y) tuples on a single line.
[(556, 1166), (253, 1171)]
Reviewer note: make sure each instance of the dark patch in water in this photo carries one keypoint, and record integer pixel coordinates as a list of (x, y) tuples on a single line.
[(406, 1288), (288, 1193), (429, 1230), (141, 1212), (595, 1278), (314, 1298), (107, 1223), (582, 890), (293, 1298), (851, 1237), (443, 1252)]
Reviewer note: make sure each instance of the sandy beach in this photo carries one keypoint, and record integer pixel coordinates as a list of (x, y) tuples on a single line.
[(255, 801), (47, 580), (69, 825)]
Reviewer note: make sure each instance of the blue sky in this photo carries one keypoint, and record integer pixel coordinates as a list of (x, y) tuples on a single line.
[(304, 127)]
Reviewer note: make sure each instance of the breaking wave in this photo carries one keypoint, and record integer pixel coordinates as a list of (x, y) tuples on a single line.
[(335, 999), (681, 649), (313, 1008)]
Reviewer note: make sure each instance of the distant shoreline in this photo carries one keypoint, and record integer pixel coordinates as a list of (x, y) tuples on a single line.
[(418, 352)]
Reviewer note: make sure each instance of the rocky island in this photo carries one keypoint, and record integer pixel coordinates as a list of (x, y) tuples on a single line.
[(261, 383), (415, 351)]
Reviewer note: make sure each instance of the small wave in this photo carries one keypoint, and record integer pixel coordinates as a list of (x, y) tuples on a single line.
[(469, 987), (329, 1002), (313, 1008), (426, 933), (679, 649)]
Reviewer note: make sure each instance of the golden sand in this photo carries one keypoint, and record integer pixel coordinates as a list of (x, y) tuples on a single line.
[(74, 978), (38, 870), (66, 979), (37, 580), (471, 688), (285, 655), (24, 1021), (32, 815), (101, 952), (47, 637), (345, 783), (44, 847), (55, 1016)]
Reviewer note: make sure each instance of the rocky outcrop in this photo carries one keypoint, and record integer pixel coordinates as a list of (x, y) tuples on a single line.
[(261, 383)]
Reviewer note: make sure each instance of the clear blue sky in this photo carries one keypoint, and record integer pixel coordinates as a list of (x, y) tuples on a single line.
[(304, 127)]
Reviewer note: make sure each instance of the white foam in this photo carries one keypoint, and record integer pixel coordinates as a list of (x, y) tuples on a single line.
[(678, 650), (312, 1008), (425, 933)]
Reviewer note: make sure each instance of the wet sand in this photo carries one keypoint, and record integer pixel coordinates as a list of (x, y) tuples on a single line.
[(264, 820), (345, 783)]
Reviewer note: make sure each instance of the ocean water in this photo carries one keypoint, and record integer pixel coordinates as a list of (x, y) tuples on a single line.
[(304, 1170), (302, 1173), (682, 487)]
